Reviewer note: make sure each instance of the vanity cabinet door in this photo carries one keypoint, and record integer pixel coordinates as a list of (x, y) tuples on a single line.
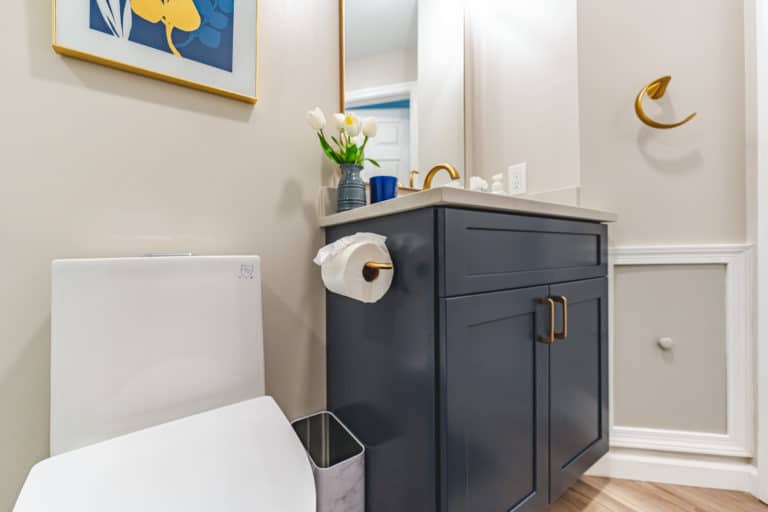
[(494, 430), (578, 382)]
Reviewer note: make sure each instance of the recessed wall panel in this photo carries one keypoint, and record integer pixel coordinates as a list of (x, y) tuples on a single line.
[(683, 388)]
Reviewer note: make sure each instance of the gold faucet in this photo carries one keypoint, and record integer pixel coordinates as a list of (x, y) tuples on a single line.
[(440, 167)]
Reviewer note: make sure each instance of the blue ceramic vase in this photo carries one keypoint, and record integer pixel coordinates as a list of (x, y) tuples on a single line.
[(351, 192)]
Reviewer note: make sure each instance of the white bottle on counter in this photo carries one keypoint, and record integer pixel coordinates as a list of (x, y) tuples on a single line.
[(498, 184)]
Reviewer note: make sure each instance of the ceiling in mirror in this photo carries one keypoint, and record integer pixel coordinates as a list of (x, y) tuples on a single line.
[(380, 26)]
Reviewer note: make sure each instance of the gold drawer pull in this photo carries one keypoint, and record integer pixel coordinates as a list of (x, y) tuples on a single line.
[(564, 301), (551, 338)]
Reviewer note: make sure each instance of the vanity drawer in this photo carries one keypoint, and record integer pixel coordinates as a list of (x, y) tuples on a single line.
[(486, 251)]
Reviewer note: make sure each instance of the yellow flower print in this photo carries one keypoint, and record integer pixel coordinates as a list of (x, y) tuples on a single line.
[(181, 14)]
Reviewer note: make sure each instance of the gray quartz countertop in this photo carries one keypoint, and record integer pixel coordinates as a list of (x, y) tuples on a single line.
[(445, 196)]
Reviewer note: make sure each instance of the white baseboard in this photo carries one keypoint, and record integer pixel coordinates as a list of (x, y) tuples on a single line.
[(696, 471)]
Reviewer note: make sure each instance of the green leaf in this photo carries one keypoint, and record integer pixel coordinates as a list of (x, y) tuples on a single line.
[(329, 152), (351, 155), (374, 162)]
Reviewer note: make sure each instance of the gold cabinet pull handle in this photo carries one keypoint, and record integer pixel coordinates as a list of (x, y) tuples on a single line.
[(564, 333), (551, 338), (655, 90)]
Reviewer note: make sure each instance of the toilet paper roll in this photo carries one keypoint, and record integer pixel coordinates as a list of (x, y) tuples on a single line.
[(343, 272)]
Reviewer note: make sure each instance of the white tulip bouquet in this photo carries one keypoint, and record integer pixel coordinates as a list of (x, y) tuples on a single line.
[(354, 133)]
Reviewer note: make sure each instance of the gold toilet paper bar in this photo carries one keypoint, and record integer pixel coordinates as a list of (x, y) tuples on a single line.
[(371, 270)]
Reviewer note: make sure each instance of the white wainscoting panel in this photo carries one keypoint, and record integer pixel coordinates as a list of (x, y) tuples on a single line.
[(738, 441)]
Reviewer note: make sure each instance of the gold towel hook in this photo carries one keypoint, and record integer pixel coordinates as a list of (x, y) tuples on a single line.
[(655, 90)]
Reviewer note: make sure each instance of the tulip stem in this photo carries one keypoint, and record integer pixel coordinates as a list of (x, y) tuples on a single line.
[(361, 154)]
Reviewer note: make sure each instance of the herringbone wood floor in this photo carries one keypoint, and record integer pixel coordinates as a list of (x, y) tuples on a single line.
[(605, 495)]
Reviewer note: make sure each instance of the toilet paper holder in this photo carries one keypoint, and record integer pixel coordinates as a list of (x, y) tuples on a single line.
[(372, 269)]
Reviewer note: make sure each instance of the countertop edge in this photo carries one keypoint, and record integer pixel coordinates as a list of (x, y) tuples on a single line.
[(445, 196)]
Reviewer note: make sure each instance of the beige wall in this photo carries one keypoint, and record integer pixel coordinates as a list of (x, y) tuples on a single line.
[(523, 91), (95, 162), (680, 186), (668, 186), (683, 388)]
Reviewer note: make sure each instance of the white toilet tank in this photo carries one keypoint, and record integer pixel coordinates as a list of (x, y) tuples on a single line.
[(136, 342)]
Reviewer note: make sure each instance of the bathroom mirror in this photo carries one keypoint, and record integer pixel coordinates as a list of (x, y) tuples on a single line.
[(402, 62), (522, 96)]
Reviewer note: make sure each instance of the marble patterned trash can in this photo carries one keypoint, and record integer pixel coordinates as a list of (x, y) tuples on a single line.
[(338, 462)]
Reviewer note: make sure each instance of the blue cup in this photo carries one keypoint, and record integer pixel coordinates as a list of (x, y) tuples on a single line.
[(383, 188)]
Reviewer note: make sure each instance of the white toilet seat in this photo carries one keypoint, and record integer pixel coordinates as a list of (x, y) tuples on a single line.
[(244, 457)]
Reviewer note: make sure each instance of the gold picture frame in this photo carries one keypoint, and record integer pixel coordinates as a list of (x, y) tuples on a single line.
[(71, 52)]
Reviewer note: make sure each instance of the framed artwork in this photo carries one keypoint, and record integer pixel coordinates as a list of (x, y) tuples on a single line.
[(205, 44)]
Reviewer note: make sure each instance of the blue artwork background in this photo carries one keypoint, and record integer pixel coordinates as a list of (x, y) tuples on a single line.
[(210, 44)]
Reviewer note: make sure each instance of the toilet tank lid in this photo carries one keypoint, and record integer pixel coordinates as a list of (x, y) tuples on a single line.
[(241, 457)]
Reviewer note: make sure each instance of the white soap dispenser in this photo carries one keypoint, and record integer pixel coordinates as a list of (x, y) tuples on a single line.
[(498, 184)]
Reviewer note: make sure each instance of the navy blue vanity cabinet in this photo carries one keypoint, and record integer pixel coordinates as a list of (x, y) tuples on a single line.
[(494, 382), (381, 367), (451, 381), (578, 397)]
